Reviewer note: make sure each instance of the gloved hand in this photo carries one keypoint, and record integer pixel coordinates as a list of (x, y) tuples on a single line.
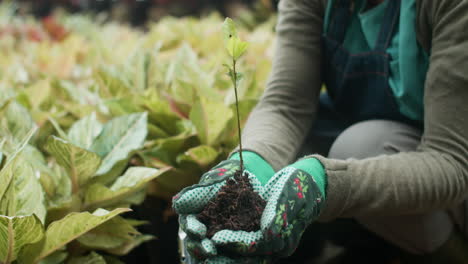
[(295, 195), (294, 199), (193, 199)]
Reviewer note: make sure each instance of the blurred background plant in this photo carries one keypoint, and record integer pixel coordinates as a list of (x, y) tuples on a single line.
[(127, 113), (138, 12)]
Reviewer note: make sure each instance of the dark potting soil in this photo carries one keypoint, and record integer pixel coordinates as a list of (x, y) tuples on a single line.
[(236, 207)]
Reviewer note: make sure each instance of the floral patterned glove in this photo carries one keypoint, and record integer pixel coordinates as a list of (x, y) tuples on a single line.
[(295, 196), (193, 199), (294, 199)]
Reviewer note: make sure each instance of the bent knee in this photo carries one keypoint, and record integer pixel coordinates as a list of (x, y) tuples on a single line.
[(418, 234), (373, 138)]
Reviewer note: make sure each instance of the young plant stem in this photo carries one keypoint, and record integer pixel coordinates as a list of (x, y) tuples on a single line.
[(238, 117)]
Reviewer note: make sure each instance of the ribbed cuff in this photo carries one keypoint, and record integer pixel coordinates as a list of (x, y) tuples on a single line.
[(313, 167), (255, 164)]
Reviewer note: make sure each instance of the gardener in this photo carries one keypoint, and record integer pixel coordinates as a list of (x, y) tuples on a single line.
[(392, 125)]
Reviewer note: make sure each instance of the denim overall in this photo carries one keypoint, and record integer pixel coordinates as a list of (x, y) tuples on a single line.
[(357, 83)]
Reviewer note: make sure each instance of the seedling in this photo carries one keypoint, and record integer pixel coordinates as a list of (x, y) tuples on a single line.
[(236, 206), (236, 48)]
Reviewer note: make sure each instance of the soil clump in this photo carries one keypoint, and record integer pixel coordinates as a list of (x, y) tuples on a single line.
[(236, 207)]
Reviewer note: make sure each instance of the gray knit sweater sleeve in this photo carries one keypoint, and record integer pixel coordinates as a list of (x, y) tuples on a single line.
[(436, 175), (280, 121), (433, 177)]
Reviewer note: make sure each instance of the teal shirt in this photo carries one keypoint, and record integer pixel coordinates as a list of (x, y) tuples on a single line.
[(409, 62)]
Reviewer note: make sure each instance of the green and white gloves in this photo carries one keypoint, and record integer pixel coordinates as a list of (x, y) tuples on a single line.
[(294, 196)]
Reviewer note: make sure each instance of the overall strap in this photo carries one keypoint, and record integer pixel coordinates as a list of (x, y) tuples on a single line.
[(340, 17), (390, 21)]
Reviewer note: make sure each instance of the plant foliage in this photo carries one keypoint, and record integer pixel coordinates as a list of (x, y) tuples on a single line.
[(93, 121)]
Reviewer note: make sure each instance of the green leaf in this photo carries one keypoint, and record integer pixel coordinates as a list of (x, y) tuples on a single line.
[(130, 245), (92, 258), (6, 97), (119, 138), (161, 115), (2, 160), (187, 80), (210, 119), (16, 121), (184, 58), (58, 187), (38, 93), (156, 132), (84, 132), (81, 98), (25, 195), (202, 155), (136, 223), (110, 176), (141, 71), (57, 127), (122, 106), (172, 181), (113, 80), (229, 29), (57, 257), (6, 176), (80, 163), (114, 233), (235, 77), (236, 47), (7, 172), (239, 77), (136, 198), (134, 179), (61, 232), (167, 149), (113, 260), (15, 233)]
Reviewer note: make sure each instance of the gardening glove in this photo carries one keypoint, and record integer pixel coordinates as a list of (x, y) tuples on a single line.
[(295, 196), (192, 200), (190, 243)]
